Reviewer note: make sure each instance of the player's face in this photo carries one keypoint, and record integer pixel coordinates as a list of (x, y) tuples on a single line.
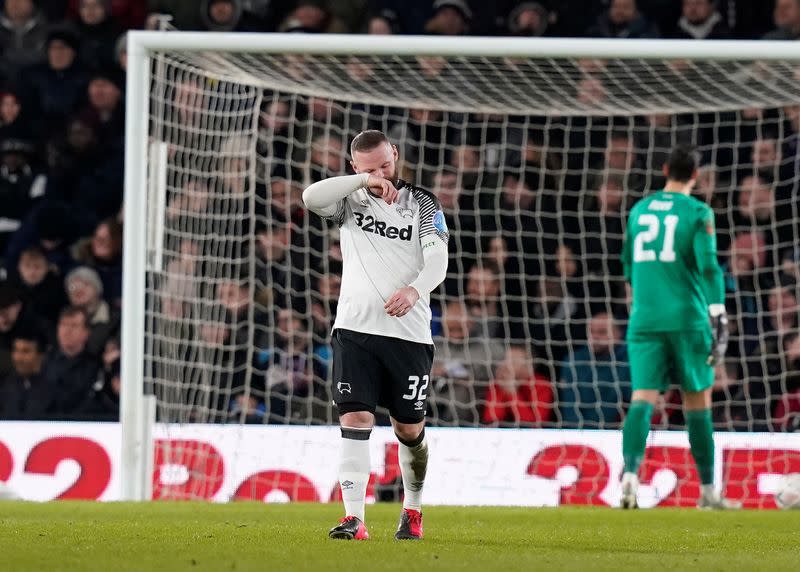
[(380, 161)]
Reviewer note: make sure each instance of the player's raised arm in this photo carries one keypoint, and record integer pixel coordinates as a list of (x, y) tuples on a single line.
[(705, 254), (324, 197)]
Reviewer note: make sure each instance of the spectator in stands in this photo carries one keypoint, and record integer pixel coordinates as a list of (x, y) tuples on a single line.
[(22, 34), (41, 287), (325, 304), (700, 20), (384, 23), (85, 291), (726, 411), (130, 14), (706, 189), (102, 252), (529, 19), (16, 316), (98, 31), (228, 16), (461, 220), (786, 18), (483, 295), (765, 157), (121, 52), (450, 18), (397, 16), (768, 370), (756, 202), (86, 174), (24, 394), (595, 380), (278, 133), (21, 186), (747, 259), (603, 229), (184, 15), (286, 200), (49, 226), (294, 369), (68, 368), (654, 140), (278, 268), (327, 157), (102, 401), (311, 16), (787, 411), (623, 20), (56, 86), (462, 367), (517, 395), (105, 104), (15, 120)]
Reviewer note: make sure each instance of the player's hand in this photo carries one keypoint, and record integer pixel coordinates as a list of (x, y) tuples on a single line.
[(719, 332), (383, 188), (401, 301)]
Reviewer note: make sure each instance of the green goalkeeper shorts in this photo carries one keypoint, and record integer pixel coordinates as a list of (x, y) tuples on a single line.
[(659, 359)]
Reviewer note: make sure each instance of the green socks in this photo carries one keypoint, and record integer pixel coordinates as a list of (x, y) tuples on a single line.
[(701, 439), (634, 434)]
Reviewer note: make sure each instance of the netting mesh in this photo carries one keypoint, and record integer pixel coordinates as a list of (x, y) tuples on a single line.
[(536, 163)]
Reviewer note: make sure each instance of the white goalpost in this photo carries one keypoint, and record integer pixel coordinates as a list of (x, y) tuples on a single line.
[(536, 148)]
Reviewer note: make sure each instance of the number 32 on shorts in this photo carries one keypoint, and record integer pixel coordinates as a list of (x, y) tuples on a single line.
[(415, 391)]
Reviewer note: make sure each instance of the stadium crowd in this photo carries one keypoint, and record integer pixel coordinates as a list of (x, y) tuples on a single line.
[(530, 324)]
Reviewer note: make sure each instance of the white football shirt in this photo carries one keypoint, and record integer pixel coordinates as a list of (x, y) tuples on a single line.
[(382, 251)]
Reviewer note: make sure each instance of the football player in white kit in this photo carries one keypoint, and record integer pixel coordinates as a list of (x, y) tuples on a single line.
[(394, 248)]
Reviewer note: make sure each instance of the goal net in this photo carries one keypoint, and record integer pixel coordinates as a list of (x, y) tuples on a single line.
[(536, 160)]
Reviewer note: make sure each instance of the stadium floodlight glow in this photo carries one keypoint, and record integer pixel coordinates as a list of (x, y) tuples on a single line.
[(194, 128)]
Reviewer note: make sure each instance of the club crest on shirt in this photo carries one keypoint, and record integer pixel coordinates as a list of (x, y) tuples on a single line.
[(438, 221), (405, 213)]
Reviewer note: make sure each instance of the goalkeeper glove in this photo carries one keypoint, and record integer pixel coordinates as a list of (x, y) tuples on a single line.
[(719, 332)]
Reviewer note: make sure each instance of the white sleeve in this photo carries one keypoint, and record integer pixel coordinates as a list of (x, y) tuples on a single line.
[(325, 197), (434, 271)]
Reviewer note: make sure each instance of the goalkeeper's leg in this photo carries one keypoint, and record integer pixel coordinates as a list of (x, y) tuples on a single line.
[(697, 410), (634, 441), (697, 380), (649, 363)]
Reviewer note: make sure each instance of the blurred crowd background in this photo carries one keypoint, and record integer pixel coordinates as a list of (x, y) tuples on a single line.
[(530, 323)]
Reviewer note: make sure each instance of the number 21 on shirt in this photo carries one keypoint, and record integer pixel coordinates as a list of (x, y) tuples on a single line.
[(653, 228)]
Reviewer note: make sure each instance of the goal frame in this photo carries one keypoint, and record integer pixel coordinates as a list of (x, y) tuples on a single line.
[(137, 411)]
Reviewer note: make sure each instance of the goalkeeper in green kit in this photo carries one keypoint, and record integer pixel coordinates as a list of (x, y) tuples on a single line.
[(678, 328)]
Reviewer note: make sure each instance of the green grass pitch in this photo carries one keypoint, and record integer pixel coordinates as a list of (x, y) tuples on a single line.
[(249, 536)]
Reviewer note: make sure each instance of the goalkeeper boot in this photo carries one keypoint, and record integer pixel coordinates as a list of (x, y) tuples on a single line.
[(630, 486), (712, 500), (410, 525), (349, 528)]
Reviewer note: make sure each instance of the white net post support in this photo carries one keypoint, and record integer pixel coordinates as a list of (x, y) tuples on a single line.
[(575, 87)]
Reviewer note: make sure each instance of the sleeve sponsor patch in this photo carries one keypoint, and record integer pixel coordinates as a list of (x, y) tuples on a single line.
[(439, 222)]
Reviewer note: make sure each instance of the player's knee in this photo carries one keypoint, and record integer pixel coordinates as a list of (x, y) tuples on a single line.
[(649, 395), (408, 432), (357, 419), (693, 400)]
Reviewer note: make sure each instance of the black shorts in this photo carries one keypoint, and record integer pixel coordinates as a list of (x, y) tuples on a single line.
[(371, 370)]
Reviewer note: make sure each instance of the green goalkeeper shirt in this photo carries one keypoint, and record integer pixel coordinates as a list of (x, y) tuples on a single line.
[(670, 259)]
